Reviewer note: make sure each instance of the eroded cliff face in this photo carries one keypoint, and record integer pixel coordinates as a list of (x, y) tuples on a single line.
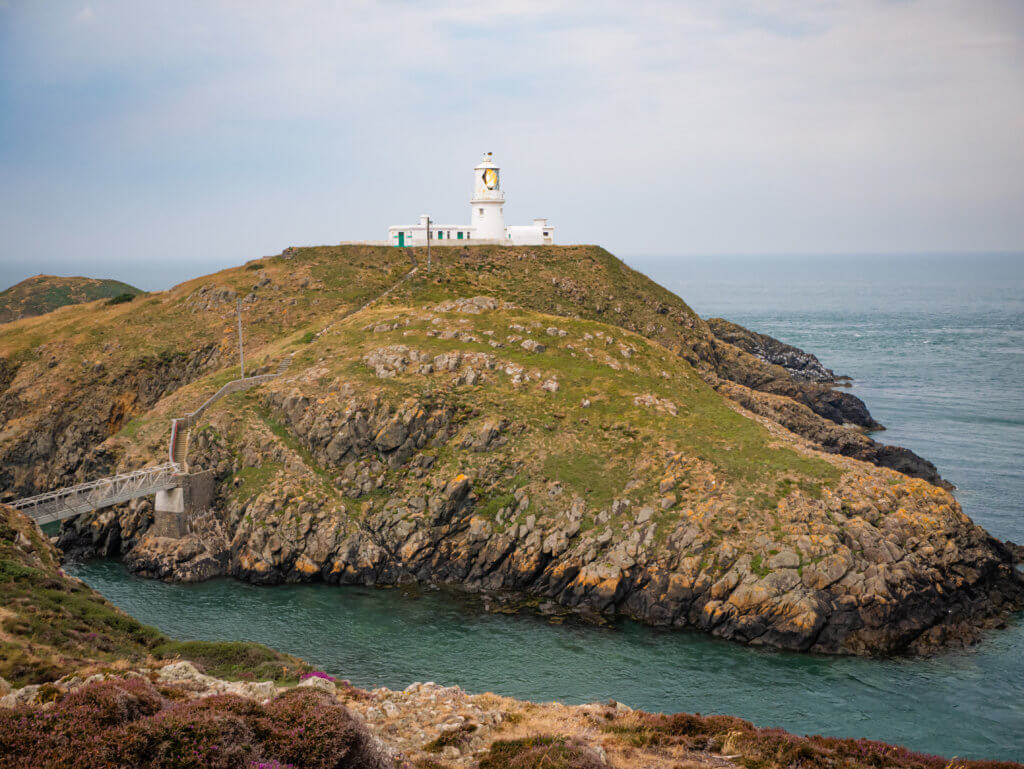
[(568, 465)]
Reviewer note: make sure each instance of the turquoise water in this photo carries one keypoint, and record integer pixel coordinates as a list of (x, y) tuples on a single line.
[(936, 346)]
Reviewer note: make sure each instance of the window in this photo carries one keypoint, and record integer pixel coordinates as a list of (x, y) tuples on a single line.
[(546, 234), (481, 212)]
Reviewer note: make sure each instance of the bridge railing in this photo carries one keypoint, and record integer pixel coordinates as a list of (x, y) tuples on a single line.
[(94, 495)]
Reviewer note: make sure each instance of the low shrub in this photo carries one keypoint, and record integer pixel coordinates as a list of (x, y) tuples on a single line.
[(541, 752), (127, 722), (120, 299), (318, 674), (456, 737), (774, 748)]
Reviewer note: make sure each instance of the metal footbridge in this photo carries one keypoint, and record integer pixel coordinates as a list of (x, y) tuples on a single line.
[(95, 495)]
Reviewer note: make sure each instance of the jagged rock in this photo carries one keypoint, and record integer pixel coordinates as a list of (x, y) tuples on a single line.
[(318, 683), (487, 436), (802, 365)]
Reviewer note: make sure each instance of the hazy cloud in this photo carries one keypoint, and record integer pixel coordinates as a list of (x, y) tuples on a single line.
[(203, 133)]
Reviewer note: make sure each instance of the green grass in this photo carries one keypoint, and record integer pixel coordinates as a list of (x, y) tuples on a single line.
[(236, 660), (590, 475), (57, 625), (758, 566), (254, 480)]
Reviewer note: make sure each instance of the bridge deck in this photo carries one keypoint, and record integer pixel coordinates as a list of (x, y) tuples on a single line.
[(94, 495)]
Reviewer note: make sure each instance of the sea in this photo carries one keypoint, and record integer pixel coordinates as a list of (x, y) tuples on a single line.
[(935, 347)]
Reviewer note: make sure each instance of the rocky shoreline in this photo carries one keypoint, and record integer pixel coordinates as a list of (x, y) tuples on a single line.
[(570, 434), (175, 713), (902, 572)]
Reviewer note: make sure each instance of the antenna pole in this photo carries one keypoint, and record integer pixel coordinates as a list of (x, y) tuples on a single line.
[(428, 244), (241, 354)]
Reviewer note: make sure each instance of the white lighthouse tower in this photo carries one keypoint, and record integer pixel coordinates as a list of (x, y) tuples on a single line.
[(488, 218)]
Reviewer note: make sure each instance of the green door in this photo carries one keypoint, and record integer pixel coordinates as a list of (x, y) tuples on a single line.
[(460, 236), (401, 239)]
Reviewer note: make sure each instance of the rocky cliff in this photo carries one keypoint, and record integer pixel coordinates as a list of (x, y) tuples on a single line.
[(545, 425)]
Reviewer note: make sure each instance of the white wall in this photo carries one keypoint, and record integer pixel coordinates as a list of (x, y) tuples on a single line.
[(531, 234)]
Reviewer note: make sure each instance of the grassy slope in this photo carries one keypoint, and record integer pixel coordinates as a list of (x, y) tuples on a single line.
[(52, 624), (307, 289), (730, 471), (44, 293)]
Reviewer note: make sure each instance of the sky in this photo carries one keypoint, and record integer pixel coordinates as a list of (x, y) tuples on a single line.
[(154, 141)]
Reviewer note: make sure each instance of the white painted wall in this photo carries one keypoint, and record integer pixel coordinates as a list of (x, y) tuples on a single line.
[(540, 233)]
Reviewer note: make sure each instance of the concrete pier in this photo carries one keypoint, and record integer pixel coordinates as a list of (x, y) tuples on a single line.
[(175, 508)]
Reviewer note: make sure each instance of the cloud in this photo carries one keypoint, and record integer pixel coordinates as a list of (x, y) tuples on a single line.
[(654, 126)]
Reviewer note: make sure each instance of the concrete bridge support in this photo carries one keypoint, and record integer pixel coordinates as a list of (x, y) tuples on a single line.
[(174, 508)]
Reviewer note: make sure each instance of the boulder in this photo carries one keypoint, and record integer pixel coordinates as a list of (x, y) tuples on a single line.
[(318, 683)]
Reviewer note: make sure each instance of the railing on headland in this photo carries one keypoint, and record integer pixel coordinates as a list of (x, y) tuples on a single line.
[(95, 495), (178, 448)]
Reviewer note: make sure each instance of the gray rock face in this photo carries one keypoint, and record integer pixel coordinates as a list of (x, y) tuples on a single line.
[(802, 365), (880, 585)]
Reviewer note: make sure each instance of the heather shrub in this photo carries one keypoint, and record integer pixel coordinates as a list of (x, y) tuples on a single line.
[(318, 674), (311, 729), (541, 752), (193, 734), (775, 748), (75, 732), (128, 723), (113, 702)]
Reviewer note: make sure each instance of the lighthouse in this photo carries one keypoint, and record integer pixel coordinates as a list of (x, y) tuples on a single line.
[(488, 215), (487, 219)]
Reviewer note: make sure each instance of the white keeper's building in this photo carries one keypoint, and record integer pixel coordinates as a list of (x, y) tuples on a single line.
[(487, 220)]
